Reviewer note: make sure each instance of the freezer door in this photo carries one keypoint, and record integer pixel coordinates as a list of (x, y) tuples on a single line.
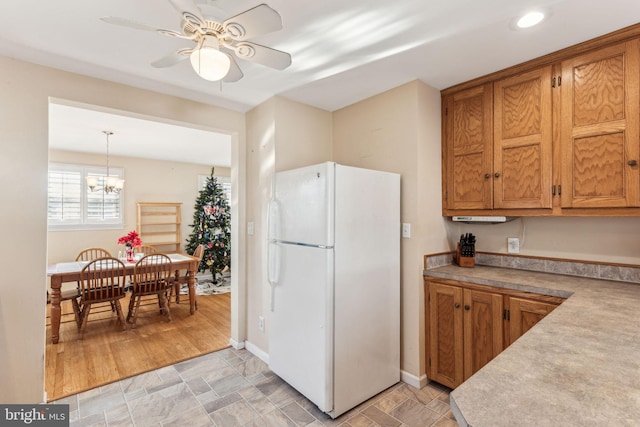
[(301, 210), (301, 323)]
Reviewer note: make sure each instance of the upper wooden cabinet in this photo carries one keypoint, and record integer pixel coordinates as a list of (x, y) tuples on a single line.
[(468, 149), (558, 139), (599, 128), (498, 144), (522, 141)]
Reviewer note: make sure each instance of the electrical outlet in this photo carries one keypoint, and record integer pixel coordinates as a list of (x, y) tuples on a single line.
[(513, 245), (261, 323)]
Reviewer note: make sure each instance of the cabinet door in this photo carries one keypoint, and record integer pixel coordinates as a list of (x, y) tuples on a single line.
[(483, 339), (599, 128), (524, 314), (522, 152), (445, 334), (468, 147)]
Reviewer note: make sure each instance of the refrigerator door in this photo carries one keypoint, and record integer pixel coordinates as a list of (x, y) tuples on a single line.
[(300, 323), (367, 285), (301, 210)]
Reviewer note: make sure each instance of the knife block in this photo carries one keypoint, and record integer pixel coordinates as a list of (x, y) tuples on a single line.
[(464, 261)]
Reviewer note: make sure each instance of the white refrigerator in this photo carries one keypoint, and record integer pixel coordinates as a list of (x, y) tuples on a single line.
[(334, 272)]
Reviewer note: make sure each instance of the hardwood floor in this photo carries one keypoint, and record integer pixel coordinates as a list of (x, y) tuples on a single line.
[(109, 354)]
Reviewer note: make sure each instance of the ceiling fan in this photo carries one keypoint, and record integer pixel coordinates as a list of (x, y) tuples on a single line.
[(216, 43)]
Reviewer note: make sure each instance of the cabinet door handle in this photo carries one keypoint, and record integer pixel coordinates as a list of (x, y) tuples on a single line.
[(632, 162), (466, 307), (487, 176), (497, 174), (553, 190), (456, 305)]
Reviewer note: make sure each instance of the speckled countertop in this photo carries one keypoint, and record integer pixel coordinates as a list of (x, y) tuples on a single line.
[(579, 366)]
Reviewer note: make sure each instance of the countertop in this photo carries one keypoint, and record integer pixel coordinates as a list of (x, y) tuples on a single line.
[(579, 366)]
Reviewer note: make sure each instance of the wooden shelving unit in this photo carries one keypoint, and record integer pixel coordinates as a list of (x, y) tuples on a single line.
[(159, 225)]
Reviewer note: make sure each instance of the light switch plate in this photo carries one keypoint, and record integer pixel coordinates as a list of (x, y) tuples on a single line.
[(250, 228), (406, 230), (513, 245)]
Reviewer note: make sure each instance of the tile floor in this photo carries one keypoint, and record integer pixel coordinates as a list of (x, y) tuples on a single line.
[(234, 388)]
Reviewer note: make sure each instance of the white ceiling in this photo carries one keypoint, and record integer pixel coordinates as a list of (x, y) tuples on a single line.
[(342, 51), (80, 128)]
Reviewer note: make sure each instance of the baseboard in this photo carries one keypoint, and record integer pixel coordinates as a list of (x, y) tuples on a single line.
[(412, 380), (256, 351), (235, 344)]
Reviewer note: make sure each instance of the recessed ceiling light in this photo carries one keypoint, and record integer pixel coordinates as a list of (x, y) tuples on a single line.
[(530, 19)]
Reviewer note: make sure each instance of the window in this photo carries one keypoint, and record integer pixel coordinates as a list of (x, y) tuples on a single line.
[(225, 181), (71, 205)]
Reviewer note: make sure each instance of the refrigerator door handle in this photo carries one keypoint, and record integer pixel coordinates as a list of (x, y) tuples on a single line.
[(273, 258), (273, 268)]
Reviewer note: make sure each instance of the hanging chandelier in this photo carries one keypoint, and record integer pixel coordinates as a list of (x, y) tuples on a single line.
[(112, 184)]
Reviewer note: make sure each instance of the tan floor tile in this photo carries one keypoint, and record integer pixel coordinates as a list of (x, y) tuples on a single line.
[(250, 395)]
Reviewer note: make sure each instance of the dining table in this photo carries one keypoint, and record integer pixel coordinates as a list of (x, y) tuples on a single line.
[(64, 272)]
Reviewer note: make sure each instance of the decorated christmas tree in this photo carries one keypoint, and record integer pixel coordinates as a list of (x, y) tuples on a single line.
[(211, 228)]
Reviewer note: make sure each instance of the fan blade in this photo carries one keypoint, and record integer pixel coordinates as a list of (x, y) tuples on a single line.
[(263, 55), (138, 26), (235, 73), (253, 22), (172, 58), (189, 10)]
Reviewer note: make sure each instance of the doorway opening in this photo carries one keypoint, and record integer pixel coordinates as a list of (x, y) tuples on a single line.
[(162, 161)]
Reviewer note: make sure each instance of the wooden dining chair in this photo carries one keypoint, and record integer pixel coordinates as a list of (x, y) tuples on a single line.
[(151, 276), (85, 255), (101, 280), (179, 278), (90, 254)]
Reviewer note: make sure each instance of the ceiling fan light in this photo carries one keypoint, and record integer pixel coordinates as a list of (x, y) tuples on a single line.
[(210, 63)]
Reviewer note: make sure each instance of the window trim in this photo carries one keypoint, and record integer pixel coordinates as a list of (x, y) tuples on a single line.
[(85, 223)]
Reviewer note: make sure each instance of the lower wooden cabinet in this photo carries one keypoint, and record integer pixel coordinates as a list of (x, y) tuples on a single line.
[(468, 325), (523, 314)]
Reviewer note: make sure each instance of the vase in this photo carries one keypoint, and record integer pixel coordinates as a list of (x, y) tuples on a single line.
[(129, 253)]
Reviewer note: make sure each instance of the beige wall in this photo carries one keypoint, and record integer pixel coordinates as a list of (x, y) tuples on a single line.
[(281, 135), (399, 131), (23, 165), (146, 181), (603, 239)]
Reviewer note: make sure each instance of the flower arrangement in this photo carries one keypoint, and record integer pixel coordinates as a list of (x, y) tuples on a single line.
[(131, 239)]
